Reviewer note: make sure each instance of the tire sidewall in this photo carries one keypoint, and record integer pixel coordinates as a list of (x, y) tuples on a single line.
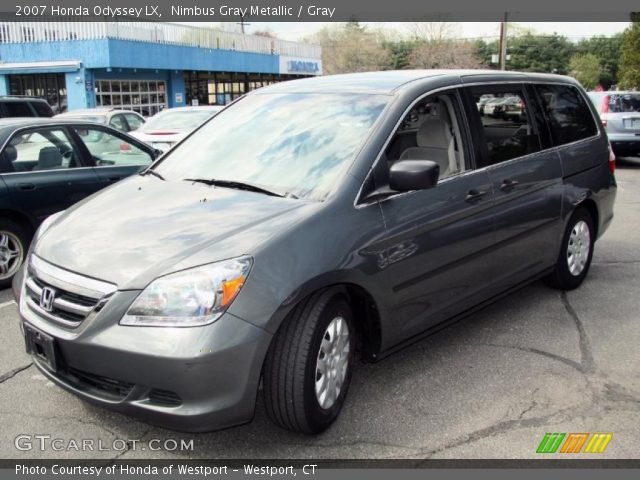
[(20, 233), (319, 418), (573, 281)]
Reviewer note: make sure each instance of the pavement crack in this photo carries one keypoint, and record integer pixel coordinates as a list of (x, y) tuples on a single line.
[(504, 427), (587, 363), (536, 351), (6, 376)]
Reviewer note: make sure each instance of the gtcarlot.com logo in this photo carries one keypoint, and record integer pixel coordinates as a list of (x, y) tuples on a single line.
[(573, 442)]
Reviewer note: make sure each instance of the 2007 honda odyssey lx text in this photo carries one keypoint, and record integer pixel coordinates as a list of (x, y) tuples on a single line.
[(306, 221)]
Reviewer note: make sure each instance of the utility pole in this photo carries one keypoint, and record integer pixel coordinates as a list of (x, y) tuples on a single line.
[(242, 23), (502, 54)]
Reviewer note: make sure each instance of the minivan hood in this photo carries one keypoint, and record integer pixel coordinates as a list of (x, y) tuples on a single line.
[(144, 227)]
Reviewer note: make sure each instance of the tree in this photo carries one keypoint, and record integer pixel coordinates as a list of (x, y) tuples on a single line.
[(352, 47), (630, 55), (547, 54), (444, 54), (585, 67), (607, 49)]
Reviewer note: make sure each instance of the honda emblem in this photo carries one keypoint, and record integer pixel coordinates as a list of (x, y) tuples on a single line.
[(47, 297)]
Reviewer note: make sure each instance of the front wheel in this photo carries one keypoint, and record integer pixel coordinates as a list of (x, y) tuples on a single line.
[(308, 367), (576, 252)]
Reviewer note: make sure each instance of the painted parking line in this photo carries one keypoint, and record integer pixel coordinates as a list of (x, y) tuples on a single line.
[(6, 304)]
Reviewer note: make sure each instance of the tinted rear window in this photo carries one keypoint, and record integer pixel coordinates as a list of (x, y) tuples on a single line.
[(16, 109), (568, 113), (42, 109), (624, 102)]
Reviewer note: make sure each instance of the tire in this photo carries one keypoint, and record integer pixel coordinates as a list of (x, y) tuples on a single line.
[(291, 367), (572, 268), (14, 243)]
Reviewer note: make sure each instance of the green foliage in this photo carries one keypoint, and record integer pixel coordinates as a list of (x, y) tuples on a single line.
[(585, 67), (630, 57), (549, 54)]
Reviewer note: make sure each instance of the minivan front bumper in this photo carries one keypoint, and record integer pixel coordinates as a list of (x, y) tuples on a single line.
[(188, 379)]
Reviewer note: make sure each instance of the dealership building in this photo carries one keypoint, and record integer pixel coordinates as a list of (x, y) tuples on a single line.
[(143, 66)]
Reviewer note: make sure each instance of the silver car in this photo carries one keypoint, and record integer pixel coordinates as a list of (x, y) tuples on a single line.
[(620, 114)]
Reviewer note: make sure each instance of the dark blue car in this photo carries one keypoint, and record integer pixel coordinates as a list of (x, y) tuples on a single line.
[(48, 165)]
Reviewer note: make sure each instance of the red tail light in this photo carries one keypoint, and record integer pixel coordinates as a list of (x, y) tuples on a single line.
[(612, 160), (604, 108)]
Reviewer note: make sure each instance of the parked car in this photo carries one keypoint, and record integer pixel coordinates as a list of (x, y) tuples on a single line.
[(308, 220), (482, 101), (166, 128), (123, 120), (620, 114), (18, 106), (46, 165)]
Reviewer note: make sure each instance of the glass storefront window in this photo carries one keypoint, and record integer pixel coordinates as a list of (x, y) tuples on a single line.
[(147, 97)]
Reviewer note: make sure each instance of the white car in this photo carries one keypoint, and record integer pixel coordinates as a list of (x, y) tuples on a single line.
[(165, 129)]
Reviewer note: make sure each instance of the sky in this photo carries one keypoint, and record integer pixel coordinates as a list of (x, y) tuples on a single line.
[(573, 30)]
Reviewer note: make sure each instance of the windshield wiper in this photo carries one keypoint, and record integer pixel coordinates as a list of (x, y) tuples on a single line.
[(238, 186), (151, 171)]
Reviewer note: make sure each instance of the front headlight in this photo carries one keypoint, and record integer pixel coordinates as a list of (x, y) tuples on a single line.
[(189, 298)]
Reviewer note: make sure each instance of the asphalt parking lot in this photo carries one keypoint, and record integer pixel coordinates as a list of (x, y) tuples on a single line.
[(490, 386)]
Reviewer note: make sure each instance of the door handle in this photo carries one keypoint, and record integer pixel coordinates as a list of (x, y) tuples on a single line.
[(114, 179), (27, 186), (508, 184), (474, 195)]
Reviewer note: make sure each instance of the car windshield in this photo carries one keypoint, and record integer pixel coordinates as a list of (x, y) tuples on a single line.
[(287, 143), (178, 120)]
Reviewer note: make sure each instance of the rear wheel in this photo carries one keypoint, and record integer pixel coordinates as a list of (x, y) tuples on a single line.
[(13, 248), (308, 367), (576, 252)]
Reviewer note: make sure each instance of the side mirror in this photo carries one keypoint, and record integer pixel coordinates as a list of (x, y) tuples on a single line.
[(157, 153), (407, 175)]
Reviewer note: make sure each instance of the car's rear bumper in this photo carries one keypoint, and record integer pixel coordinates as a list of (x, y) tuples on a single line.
[(625, 143)]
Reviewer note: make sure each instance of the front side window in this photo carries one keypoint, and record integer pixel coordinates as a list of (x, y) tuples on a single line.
[(507, 129), (569, 116), (429, 131), (45, 149), (297, 144), (108, 149)]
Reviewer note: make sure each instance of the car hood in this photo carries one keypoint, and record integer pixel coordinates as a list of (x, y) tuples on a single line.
[(144, 227)]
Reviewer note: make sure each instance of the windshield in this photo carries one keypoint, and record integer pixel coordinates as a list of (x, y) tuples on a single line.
[(179, 120), (287, 143)]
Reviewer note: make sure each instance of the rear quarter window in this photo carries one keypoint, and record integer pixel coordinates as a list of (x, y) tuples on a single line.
[(569, 116)]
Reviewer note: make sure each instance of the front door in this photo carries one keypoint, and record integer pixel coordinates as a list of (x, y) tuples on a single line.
[(44, 172), (436, 256)]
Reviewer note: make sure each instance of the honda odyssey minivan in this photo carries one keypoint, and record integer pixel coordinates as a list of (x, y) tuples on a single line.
[(307, 224)]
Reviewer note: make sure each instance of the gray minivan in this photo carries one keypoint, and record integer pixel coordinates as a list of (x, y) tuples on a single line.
[(308, 222)]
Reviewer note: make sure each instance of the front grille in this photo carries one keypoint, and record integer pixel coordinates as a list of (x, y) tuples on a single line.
[(74, 297), (104, 386)]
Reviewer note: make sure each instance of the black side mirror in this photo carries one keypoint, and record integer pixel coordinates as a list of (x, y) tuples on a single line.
[(157, 153), (407, 175)]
